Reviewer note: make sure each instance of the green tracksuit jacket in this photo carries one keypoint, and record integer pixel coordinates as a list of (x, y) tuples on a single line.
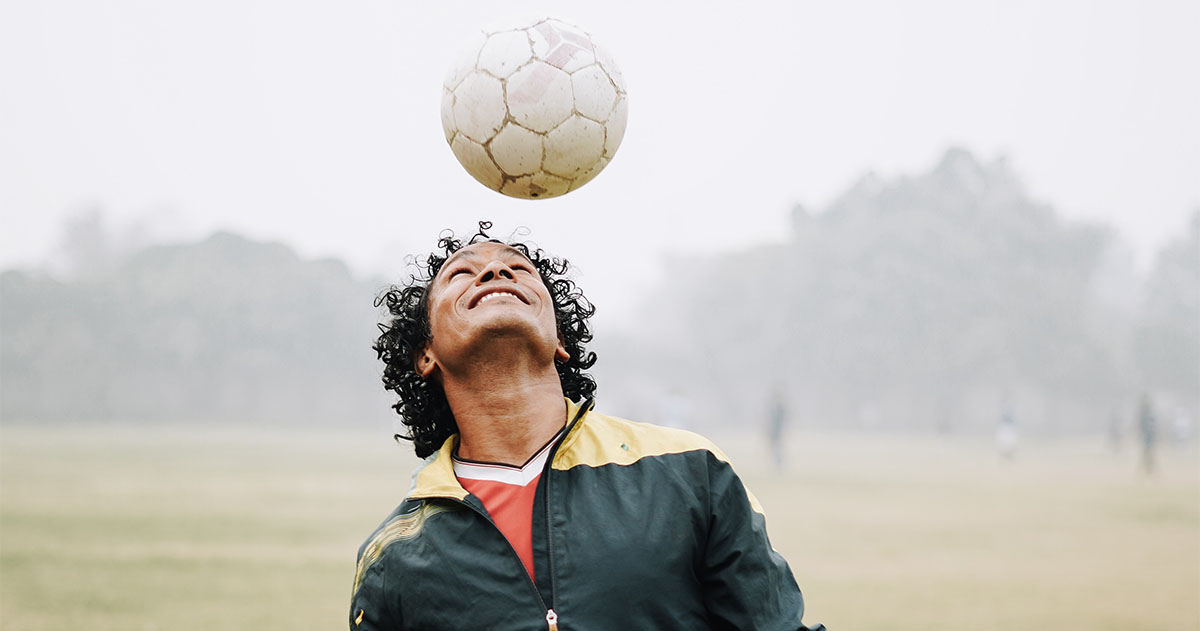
[(635, 527)]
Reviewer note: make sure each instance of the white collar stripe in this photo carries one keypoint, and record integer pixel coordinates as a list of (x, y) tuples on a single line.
[(504, 474)]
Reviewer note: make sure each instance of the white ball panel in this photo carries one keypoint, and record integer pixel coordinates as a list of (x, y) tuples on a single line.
[(537, 186), (479, 107), (537, 36), (448, 114), (616, 127), (516, 150), (539, 96), (504, 53), (610, 67), (477, 162), (594, 93), (573, 147), (562, 45), (464, 63), (580, 59), (586, 176)]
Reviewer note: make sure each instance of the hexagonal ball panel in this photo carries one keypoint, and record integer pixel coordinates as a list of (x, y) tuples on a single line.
[(477, 162), (536, 186), (615, 127), (594, 93), (588, 175), (479, 106), (573, 147), (448, 114), (516, 150), (606, 61), (539, 96), (504, 53)]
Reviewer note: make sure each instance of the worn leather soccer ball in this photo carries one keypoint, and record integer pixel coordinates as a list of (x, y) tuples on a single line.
[(534, 110)]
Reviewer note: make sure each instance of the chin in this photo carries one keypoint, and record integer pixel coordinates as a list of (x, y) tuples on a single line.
[(515, 331)]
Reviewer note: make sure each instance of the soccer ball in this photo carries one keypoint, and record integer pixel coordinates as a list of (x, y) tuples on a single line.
[(534, 110)]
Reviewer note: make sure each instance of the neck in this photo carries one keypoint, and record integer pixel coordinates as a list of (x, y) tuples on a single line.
[(505, 414)]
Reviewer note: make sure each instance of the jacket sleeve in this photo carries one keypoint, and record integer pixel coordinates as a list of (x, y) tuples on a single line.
[(372, 607), (747, 584)]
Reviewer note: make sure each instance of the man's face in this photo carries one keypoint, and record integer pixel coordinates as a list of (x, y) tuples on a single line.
[(483, 294)]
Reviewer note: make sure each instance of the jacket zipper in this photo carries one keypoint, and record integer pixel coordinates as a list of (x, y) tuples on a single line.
[(547, 471), (551, 615)]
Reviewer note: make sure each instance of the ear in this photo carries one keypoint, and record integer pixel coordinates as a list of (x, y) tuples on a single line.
[(424, 362), (560, 352)]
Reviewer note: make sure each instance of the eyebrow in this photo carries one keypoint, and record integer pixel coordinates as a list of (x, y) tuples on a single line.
[(474, 254)]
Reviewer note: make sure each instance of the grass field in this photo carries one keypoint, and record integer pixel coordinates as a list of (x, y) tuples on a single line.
[(138, 529)]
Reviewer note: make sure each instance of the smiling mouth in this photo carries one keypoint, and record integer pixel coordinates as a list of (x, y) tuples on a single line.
[(494, 295)]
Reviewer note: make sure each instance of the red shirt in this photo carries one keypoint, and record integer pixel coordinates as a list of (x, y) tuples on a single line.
[(507, 493)]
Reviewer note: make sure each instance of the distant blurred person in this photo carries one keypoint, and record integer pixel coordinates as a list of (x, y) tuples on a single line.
[(531, 509), (1007, 434), (777, 417), (1148, 432)]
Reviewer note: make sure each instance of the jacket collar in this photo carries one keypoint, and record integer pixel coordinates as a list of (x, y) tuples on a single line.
[(435, 477), (576, 413)]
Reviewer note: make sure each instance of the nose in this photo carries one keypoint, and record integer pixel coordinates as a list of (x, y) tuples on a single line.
[(494, 270)]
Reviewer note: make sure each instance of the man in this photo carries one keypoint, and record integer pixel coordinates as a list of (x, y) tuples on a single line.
[(532, 509)]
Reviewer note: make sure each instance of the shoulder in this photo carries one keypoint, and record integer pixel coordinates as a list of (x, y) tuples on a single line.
[(402, 524), (600, 439)]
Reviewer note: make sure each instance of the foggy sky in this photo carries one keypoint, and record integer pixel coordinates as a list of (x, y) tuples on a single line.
[(317, 124)]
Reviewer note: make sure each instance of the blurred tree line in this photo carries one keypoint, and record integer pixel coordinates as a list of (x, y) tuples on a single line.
[(930, 302), (222, 330), (925, 302)]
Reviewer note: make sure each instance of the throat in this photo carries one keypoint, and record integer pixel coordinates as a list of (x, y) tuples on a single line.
[(509, 430)]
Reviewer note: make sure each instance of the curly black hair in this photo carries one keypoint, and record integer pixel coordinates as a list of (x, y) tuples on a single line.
[(422, 406)]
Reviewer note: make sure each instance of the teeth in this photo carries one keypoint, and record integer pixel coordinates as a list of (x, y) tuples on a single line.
[(496, 294)]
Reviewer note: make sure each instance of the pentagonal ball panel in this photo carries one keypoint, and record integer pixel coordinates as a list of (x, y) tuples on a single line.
[(594, 93), (479, 106), (516, 150), (539, 97), (573, 147), (477, 162)]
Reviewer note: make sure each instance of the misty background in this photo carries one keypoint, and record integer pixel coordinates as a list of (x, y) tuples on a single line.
[(903, 222), (933, 302), (907, 216)]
